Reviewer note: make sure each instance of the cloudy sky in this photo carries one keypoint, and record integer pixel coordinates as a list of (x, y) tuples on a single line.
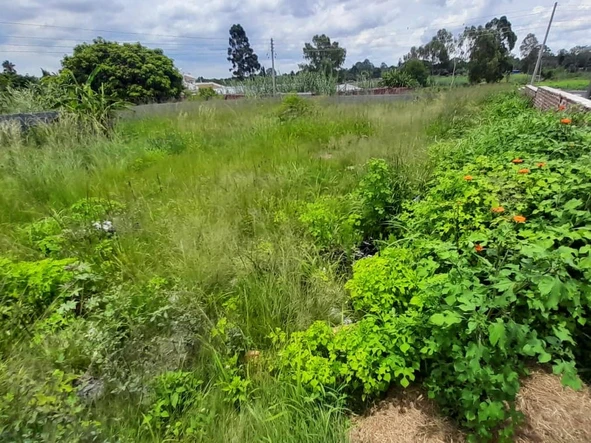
[(37, 33)]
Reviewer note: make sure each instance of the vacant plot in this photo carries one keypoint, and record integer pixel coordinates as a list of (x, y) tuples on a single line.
[(255, 271)]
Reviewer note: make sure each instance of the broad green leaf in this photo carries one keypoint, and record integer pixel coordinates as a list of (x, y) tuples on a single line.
[(544, 357), (546, 284), (174, 399), (572, 204), (497, 333), (445, 319), (404, 382), (404, 347)]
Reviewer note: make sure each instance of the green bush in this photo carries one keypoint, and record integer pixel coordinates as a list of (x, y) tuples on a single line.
[(489, 273), (293, 106), (416, 70), (396, 78)]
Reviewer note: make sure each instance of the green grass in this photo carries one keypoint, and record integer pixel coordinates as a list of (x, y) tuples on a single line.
[(575, 84), (210, 231)]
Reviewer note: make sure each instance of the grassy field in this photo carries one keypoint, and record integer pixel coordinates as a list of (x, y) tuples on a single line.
[(571, 83), (208, 258), (210, 273)]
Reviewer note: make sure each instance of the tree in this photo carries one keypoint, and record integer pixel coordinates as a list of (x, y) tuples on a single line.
[(129, 71), (489, 49), (323, 55), (245, 62), (8, 67), (529, 50), (416, 70)]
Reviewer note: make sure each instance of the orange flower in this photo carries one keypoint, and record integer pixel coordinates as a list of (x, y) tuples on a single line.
[(519, 219), (498, 209), (468, 178), (561, 108), (517, 160), (541, 164), (478, 248), (566, 121), (524, 171)]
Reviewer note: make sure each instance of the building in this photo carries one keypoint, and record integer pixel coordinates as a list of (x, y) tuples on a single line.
[(191, 84)]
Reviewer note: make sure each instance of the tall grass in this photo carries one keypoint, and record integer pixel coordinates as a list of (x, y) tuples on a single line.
[(313, 82), (212, 202)]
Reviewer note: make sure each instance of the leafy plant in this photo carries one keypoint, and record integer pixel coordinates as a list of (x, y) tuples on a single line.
[(489, 273), (396, 78), (293, 107)]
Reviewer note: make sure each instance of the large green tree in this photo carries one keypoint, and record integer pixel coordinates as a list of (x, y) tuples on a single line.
[(490, 47), (245, 62), (129, 71), (323, 55)]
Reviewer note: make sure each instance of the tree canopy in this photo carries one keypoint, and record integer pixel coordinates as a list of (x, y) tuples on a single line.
[(323, 55), (129, 71), (9, 78), (489, 48), (245, 62)]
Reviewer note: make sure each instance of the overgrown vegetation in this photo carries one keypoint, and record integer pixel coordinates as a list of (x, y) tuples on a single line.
[(250, 271), (483, 274)]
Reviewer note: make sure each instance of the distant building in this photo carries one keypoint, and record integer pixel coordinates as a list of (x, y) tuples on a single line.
[(347, 87), (191, 84)]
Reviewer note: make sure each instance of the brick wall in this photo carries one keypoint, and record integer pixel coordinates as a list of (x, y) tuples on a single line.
[(547, 98)]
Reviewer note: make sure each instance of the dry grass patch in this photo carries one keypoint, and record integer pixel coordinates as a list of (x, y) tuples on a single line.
[(553, 414)]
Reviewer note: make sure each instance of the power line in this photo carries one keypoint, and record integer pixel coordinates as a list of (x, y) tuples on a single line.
[(109, 31)]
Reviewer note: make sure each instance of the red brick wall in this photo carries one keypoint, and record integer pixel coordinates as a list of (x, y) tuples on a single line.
[(546, 98)]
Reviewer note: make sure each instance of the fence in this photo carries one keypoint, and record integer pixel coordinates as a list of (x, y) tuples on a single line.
[(31, 119)]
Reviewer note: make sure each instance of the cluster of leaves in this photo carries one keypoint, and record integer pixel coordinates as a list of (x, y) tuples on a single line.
[(294, 106), (397, 78), (343, 223), (67, 307), (174, 393), (487, 273), (129, 71)]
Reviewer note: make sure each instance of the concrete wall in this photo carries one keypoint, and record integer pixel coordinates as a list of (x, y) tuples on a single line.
[(546, 98)]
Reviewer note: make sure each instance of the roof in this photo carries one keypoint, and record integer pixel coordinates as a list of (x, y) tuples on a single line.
[(345, 87)]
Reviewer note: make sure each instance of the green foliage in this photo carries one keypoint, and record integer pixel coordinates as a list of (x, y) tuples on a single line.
[(129, 72), (46, 410), (206, 94), (489, 46), (293, 107), (245, 62), (489, 273), (416, 70), (396, 78), (208, 233), (174, 393), (323, 55), (332, 223), (90, 104)]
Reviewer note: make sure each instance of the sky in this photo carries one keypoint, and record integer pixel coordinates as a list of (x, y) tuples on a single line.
[(36, 34)]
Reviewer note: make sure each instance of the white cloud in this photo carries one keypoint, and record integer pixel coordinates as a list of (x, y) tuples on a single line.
[(381, 30)]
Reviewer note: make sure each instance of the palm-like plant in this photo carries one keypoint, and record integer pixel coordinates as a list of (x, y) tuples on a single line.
[(91, 106)]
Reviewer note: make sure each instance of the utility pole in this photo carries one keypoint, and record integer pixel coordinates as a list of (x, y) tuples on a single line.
[(273, 67), (539, 61)]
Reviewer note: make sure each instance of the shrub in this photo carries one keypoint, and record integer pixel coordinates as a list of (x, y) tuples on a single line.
[(416, 70), (396, 78), (293, 106), (490, 273), (206, 93)]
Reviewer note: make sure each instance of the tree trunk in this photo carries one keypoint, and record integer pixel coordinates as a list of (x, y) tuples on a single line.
[(588, 93)]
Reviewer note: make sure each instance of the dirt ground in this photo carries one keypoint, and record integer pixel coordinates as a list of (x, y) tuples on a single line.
[(552, 414)]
